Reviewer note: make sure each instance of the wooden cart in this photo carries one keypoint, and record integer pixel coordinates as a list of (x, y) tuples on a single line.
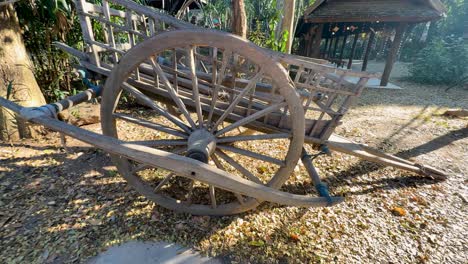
[(225, 122)]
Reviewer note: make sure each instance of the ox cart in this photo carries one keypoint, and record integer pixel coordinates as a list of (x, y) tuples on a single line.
[(224, 122)]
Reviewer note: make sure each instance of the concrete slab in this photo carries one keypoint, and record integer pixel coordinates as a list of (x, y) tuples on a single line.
[(138, 252), (374, 83)]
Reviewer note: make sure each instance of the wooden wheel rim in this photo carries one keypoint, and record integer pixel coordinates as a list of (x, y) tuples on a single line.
[(170, 40)]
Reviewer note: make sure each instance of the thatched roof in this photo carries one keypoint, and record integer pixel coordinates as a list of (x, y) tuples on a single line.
[(323, 11)]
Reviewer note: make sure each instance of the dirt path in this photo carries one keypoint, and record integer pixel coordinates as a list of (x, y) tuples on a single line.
[(59, 207)]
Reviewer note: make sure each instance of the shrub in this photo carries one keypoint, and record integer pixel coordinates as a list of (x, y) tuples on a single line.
[(443, 61)]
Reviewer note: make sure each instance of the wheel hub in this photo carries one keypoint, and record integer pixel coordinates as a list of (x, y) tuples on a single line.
[(201, 145)]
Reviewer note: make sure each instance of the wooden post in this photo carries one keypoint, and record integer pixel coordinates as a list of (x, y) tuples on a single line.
[(353, 51), (345, 38), (288, 22), (330, 47), (368, 50), (324, 53), (335, 46), (309, 37), (316, 40), (393, 54)]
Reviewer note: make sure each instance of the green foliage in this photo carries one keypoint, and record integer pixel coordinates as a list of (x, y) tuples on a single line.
[(43, 22), (443, 61), (262, 20), (453, 25), (269, 40)]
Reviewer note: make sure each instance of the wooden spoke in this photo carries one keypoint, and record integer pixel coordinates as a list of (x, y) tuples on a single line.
[(151, 125), (217, 81), (219, 98), (150, 103), (235, 102), (238, 167), (160, 143), (163, 182), (189, 195), (251, 137), (251, 154), (212, 196), (221, 167), (174, 65), (251, 118), (140, 168), (179, 150), (196, 94), (173, 93)]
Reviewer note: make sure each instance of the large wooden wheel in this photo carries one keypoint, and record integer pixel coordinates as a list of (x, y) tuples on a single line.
[(200, 87)]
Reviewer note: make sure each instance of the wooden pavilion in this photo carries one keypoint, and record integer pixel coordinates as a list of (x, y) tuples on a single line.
[(326, 26)]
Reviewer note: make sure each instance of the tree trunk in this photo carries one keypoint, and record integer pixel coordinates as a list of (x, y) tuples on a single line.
[(239, 18), (287, 23), (15, 69)]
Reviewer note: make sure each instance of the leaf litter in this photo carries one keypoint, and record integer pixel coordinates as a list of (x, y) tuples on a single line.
[(66, 208)]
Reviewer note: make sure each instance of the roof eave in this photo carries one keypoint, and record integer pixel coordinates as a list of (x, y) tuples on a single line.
[(371, 19)]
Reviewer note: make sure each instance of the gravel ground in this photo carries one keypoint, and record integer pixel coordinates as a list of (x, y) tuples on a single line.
[(67, 207)]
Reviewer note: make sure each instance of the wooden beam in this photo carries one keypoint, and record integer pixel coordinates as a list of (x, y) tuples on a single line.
[(368, 50), (330, 48), (365, 19), (353, 51), (393, 53)]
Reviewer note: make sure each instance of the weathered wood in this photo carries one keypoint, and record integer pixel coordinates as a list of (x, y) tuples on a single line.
[(343, 46), (231, 139), (242, 48), (87, 30), (236, 101), (110, 33), (252, 154), (238, 167), (353, 50), (196, 94), (335, 47), (251, 118), (218, 164), (368, 50), (316, 41), (174, 95), (151, 125), (400, 30), (180, 165), (325, 49)]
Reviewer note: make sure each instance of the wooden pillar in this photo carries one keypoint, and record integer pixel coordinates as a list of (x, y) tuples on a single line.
[(393, 54), (307, 43), (325, 48), (316, 40), (335, 46), (368, 50), (345, 38), (353, 50), (330, 47), (288, 22)]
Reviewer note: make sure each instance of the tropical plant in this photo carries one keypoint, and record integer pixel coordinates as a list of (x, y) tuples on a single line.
[(43, 22), (443, 61)]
